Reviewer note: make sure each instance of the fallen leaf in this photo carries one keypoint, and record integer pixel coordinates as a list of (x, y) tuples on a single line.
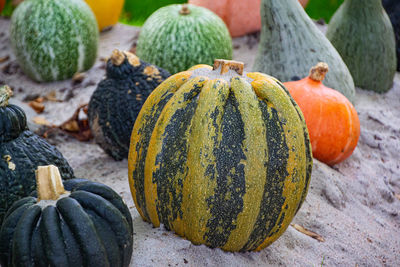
[(37, 106), (397, 196), (78, 77), (4, 59), (78, 127), (305, 231), (52, 96), (41, 121)]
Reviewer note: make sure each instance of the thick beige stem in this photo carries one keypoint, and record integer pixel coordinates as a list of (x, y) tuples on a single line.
[(5, 94), (227, 65), (318, 72), (49, 185)]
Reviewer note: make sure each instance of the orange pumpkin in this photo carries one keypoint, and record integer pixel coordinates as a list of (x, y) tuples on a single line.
[(331, 119), (241, 17)]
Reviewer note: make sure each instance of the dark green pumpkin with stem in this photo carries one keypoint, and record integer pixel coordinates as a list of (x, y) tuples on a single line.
[(21, 151), (78, 223), (116, 103), (362, 33)]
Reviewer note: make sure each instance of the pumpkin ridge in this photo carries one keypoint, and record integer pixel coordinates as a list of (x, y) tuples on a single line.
[(296, 164), (6, 235), (255, 151), (112, 216), (154, 187), (50, 230), (108, 194), (83, 229), (276, 175), (21, 244), (106, 235), (75, 256), (204, 134), (141, 135)]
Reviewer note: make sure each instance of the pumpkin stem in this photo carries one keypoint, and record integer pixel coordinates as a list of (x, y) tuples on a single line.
[(185, 10), (318, 72), (5, 94), (49, 185), (117, 57), (227, 65)]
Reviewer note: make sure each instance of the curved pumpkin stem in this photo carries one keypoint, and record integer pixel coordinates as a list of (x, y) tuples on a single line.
[(118, 57), (229, 65), (49, 185), (318, 72), (185, 10), (5, 94)]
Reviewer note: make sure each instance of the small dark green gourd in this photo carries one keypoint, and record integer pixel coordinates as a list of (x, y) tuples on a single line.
[(392, 8), (362, 33), (291, 44), (21, 151), (78, 223), (116, 103)]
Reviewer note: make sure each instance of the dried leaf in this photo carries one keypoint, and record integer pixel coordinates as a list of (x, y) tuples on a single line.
[(52, 96), (305, 231), (397, 196), (78, 127), (37, 106), (78, 77), (4, 59), (41, 121)]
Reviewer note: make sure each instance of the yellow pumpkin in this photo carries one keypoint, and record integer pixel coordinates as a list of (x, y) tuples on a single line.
[(107, 12)]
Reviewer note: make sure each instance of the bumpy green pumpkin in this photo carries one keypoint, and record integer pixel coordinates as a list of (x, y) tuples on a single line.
[(87, 225), (54, 39), (115, 104), (177, 37), (392, 8), (362, 33), (291, 44), (21, 151), (220, 157)]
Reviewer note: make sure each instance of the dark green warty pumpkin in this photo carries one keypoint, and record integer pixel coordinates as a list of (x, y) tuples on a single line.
[(115, 104), (221, 157), (80, 223), (21, 151)]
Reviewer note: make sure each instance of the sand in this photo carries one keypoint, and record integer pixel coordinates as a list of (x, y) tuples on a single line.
[(354, 206)]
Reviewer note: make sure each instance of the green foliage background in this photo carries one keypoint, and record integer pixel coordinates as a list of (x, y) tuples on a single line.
[(137, 11), (324, 9)]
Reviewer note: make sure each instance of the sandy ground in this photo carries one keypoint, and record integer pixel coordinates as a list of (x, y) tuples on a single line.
[(354, 206)]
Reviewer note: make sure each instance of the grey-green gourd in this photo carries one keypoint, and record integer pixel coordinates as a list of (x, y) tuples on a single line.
[(362, 33), (291, 44)]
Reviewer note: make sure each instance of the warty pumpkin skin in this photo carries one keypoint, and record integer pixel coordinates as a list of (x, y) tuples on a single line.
[(176, 37), (117, 100), (362, 33), (392, 8), (80, 223), (221, 159), (21, 151), (332, 120), (290, 43)]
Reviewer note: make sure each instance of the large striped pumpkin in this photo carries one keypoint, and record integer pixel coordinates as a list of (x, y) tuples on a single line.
[(221, 157)]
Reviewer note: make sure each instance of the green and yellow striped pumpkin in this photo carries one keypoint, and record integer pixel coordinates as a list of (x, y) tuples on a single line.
[(221, 157)]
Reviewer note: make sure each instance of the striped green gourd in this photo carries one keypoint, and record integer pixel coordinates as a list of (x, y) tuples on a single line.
[(221, 157), (362, 33), (291, 44), (177, 37), (54, 39)]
